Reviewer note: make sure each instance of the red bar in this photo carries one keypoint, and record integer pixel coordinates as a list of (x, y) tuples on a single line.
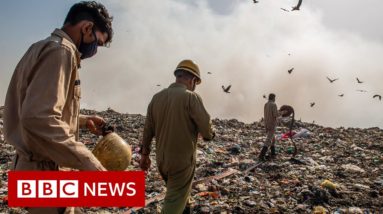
[(76, 189)]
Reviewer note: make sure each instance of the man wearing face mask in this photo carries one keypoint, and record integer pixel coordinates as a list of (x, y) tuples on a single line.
[(41, 118), (175, 117)]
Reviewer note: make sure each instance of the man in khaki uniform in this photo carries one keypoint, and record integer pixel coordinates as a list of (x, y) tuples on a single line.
[(270, 118), (175, 117), (41, 117)]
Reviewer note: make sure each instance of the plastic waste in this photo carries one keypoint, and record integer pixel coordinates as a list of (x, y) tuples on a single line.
[(328, 184), (319, 210), (303, 133)]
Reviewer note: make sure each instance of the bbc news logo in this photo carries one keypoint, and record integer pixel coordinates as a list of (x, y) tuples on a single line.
[(47, 189), (69, 189), (86, 189)]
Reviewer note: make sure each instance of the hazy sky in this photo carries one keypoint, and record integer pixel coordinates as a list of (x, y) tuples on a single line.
[(243, 44)]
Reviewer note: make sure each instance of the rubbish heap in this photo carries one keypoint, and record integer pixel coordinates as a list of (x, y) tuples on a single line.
[(336, 170), (1, 124)]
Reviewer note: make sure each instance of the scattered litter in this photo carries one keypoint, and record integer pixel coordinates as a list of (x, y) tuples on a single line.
[(229, 178)]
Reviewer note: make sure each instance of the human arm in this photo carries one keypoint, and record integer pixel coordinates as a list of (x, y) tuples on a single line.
[(42, 110), (201, 117)]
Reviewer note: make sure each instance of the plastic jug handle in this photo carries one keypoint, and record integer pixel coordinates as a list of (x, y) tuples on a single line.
[(106, 129)]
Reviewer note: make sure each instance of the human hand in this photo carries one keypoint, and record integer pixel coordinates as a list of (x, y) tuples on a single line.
[(211, 138), (95, 123), (145, 162)]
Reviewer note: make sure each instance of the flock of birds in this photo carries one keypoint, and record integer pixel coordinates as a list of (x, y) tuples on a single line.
[(341, 95), (226, 89), (359, 82)]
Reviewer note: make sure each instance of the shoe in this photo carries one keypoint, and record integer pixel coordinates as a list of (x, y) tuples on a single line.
[(273, 154), (262, 155), (187, 210)]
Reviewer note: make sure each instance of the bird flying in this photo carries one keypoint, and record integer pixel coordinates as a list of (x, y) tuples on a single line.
[(332, 80), (298, 5), (255, 1), (341, 95), (226, 89), (377, 96), (290, 70), (208, 72), (285, 9), (312, 104), (357, 79), (264, 96), (361, 90)]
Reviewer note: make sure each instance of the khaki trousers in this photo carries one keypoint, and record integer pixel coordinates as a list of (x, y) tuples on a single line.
[(178, 188), (270, 139)]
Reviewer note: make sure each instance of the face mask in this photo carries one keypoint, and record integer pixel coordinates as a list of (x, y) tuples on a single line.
[(88, 49)]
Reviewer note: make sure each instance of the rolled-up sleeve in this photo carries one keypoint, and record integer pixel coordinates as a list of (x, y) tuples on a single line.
[(42, 108), (201, 117)]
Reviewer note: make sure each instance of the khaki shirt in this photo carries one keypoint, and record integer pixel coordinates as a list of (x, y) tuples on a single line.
[(175, 117), (270, 115), (42, 105)]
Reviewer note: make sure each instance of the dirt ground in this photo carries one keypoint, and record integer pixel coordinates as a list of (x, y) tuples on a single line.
[(350, 159)]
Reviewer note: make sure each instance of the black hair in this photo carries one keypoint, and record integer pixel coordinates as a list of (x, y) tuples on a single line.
[(94, 12), (271, 96), (180, 73)]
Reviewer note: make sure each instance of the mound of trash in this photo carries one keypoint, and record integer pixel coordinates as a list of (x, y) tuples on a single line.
[(335, 170)]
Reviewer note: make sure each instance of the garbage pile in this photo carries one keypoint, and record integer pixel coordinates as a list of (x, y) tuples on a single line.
[(335, 171), (1, 124)]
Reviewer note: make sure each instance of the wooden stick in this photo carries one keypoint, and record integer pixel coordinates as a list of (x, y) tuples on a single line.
[(161, 196)]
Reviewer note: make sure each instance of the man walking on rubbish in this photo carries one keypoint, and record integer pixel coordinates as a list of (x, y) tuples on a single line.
[(41, 117), (270, 118), (175, 117)]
